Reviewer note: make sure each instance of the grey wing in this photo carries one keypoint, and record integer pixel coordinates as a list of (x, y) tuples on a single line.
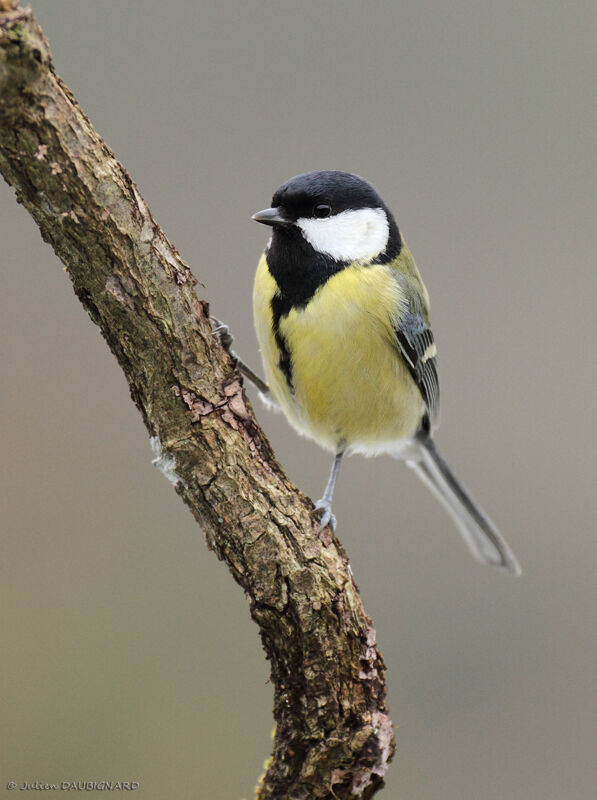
[(417, 346)]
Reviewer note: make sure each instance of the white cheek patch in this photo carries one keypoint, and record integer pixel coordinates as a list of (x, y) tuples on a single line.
[(348, 236)]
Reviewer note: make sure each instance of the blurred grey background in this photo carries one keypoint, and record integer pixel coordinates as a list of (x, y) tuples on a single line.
[(128, 649)]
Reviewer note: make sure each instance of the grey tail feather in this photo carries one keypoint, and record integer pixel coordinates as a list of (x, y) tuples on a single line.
[(480, 534)]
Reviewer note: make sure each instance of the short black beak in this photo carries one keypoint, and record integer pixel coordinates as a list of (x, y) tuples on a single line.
[(272, 216)]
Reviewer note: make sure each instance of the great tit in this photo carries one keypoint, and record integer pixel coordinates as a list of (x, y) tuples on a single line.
[(342, 319)]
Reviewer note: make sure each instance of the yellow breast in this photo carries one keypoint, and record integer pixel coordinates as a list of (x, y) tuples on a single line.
[(350, 385)]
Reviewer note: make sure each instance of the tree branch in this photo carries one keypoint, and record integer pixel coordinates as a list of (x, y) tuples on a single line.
[(333, 736)]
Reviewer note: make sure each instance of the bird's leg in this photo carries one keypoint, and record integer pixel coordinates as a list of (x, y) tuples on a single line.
[(222, 331), (255, 379), (325, 503)]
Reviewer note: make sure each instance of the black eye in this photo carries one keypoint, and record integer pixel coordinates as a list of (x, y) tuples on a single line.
[(322, 210)]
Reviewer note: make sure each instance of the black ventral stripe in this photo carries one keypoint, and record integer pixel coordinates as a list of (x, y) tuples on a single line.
[(280, 308), (298, 271)]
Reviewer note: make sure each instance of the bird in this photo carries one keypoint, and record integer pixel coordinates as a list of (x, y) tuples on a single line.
[(341, 315)]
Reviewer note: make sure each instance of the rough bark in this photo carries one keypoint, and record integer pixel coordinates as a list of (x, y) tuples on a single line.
[(333, 736)]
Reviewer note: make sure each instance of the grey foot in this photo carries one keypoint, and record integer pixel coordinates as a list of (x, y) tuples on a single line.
[(222, 331), (326, 517)]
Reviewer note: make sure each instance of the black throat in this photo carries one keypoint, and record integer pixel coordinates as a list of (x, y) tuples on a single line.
[(297, 268)]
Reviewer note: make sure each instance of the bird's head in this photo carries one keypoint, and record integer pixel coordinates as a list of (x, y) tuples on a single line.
[(338, 214)]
